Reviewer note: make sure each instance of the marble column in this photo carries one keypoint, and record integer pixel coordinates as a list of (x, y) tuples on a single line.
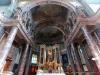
[(55, 58), (55, 55), (28, 62), (40, 59), (60, 62), (24, 58), (1, 31), (94, 48), (88, 64), (76, 59), (6, 48), (70, 60), (44, 57)]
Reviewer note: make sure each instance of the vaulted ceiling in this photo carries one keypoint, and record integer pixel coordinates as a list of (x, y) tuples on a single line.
[(48, 18), (49, 22)]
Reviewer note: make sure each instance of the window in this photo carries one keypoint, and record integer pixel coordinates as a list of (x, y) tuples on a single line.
[(95, 7), (93, 1), (5, 2), (94, 4), (34, 59)]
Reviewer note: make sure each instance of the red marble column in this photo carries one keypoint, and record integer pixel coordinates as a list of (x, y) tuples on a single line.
[(94, 48)]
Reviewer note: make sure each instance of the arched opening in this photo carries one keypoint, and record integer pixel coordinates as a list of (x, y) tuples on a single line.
[(48, 35), (49, 23), (50, 28)]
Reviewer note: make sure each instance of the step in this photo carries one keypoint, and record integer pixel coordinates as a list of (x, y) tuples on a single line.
[(50, 73), (6, 73)]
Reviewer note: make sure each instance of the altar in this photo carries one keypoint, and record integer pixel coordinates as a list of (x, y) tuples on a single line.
[(50, 59)]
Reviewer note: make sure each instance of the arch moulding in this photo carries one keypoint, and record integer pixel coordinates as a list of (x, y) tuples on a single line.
[(34, 3)]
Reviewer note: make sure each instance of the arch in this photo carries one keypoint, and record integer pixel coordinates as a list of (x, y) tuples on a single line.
[(59, 29), (35, 3), (59, 36), (55, 27)]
